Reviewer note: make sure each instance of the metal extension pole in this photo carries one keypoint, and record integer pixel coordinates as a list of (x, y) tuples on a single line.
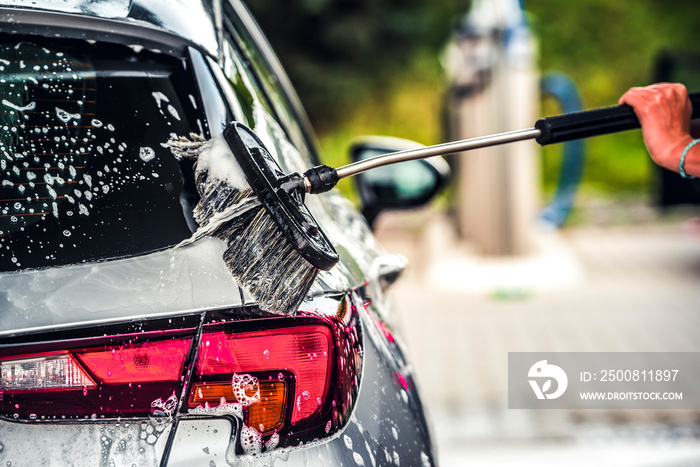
[(436, 150)]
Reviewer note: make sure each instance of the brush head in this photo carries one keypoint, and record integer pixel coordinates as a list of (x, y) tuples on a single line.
[(274, 248), (283, 198)]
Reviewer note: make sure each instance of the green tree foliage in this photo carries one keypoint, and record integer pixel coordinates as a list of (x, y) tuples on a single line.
[(608, 47), (341, 52), (372, 66)]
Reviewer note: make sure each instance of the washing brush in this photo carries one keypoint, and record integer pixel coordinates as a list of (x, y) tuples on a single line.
[(275, 248)]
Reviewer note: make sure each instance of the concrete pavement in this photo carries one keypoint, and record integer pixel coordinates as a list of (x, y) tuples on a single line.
[(624, 288)]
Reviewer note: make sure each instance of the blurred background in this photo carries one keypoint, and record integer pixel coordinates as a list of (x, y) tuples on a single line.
[(582, 248)]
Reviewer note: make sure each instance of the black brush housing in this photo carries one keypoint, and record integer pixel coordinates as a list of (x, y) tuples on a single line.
[(282, 196)]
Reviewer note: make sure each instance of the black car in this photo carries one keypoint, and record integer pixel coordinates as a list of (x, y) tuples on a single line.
[(121, 346)]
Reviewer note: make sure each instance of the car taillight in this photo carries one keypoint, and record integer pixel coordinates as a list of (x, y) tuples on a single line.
[(140, 363), (292, 378), (117, 376), (306, 352), (287, 379), (267, 411), (43, 372)]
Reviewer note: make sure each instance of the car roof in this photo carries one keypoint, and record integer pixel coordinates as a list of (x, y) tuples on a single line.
[(166, 25)]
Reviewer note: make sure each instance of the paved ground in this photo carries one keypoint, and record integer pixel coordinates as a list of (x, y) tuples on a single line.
[(625, 288)]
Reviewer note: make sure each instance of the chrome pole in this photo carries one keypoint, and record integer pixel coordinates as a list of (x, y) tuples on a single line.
[(436, 150)]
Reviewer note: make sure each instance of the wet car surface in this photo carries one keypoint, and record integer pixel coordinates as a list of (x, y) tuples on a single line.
[(119, 346)]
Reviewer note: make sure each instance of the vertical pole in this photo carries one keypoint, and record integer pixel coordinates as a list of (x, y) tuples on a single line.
[(495, 90)]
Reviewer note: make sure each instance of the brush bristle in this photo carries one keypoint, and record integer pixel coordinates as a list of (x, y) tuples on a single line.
[(186, 148), (216, 198), (258, 254), (269, 266)]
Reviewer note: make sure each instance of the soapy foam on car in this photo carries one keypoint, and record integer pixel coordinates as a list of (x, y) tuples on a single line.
[(219, 219), (225, 197), (216, 159), (242, 385)]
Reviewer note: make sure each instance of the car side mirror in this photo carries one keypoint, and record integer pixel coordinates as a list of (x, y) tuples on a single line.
[(402, 186)]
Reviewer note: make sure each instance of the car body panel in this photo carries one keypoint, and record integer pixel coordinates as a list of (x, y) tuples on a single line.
[(123, 443), (170, 25), (174, 281)]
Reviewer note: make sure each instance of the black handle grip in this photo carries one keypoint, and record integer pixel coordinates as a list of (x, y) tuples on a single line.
[(594, 122)]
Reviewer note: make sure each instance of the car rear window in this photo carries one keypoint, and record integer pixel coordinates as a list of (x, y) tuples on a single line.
[(85, 173)]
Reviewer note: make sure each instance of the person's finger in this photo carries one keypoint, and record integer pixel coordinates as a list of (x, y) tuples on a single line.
[(630, 94), (656, 94), (638, 98), (643, 100)]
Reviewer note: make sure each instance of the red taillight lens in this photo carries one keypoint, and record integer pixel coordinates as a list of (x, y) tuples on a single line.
[(121, 377), (305, 351), (147, 362)]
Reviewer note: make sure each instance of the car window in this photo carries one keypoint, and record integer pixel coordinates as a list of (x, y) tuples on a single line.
[(250, 105), (85, 173), (242, 80), (218, 114)]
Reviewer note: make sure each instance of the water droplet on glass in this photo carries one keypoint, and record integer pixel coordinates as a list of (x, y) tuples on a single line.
[(173, 112), (147, 154), (358, 459), (65, 116)]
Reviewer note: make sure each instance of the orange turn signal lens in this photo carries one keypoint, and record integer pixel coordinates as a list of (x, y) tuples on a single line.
[(266, 415), (211, 393)]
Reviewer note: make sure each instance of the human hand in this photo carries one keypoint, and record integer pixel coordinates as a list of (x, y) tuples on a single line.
[(664, 111)]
